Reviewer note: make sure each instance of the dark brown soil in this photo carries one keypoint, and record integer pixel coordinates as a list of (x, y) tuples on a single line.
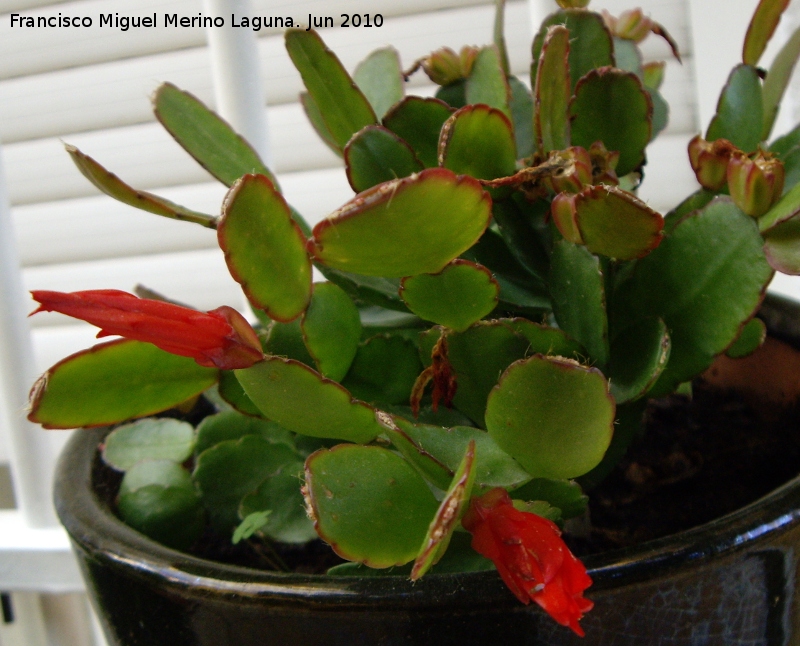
[(699, 459)]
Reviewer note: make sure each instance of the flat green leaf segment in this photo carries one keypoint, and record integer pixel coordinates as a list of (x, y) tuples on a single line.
[(478, 141), (762, 26), (148, 439), (232, 393), (301, 400), (114, 187), (384, 370), (638, 357), (437, 452), (332, 329), (113, 382), (613, 106), (205, 136), (375, 155), (369, 504), (753, 335), (448, 515), (579, 298), (380, 77), (778, 77), (565, 495), (230, 425), (521, 106), (343, 108), (617, 224), (788, 207), (782, 247), (418, 121), (458, 296), (232, 469), (164, 472), (314, 115), (704, 280), (410, 226), (553, 90), (265, 249), (740, 110), (487, 82), (171, 515), (591, 45), (554, 416)]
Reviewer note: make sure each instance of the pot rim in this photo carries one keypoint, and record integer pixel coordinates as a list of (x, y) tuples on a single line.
[(94, 529)]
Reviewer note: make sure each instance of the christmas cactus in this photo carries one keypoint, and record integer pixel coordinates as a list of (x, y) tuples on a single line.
[(498, 305)]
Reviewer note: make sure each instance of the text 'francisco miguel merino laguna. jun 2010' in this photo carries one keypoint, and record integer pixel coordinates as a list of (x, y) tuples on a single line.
[(154, 20)]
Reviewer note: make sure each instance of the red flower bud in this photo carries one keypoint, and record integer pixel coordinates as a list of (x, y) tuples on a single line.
[(530, 557), (755, 184), (221, 338), (709, 161), (565, 216)]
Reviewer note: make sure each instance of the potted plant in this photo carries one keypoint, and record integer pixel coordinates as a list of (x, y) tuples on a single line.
[(498, 308)]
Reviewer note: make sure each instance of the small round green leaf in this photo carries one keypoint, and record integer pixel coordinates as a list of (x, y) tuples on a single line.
[(409, 226), (280, 495), (113, 382), (458, 296), (173, 516), (375, 155), (478, 141), (161, 472), (418, 121), (616, 223), (231, 425), (554, 416), (369, 504), (264, 248), (148, 439), (229, 470), (301, 400), (613, 106), (332, 329)]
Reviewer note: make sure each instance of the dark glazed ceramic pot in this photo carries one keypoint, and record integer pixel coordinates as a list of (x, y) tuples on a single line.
[(731, 581)]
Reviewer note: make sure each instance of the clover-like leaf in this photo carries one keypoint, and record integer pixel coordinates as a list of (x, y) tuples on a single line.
[(380, 77), (458, 296), (148, 439), (375, 155), (553, 90), (418, 121), (591, 45), (206, 136), (368, 504), (342, 107), (613, 106), (163, 472), (301, 400), (478, 141), (332, 329), (740, 110), (265, 249), (172, 516), (114, 187), (448, 515), (228, 471), (554, 416), (617, 224), (409, 226), (113, 382), (579, 299)]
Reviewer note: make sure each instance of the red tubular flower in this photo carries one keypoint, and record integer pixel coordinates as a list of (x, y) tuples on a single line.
[(221, 338), (530, 556)]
